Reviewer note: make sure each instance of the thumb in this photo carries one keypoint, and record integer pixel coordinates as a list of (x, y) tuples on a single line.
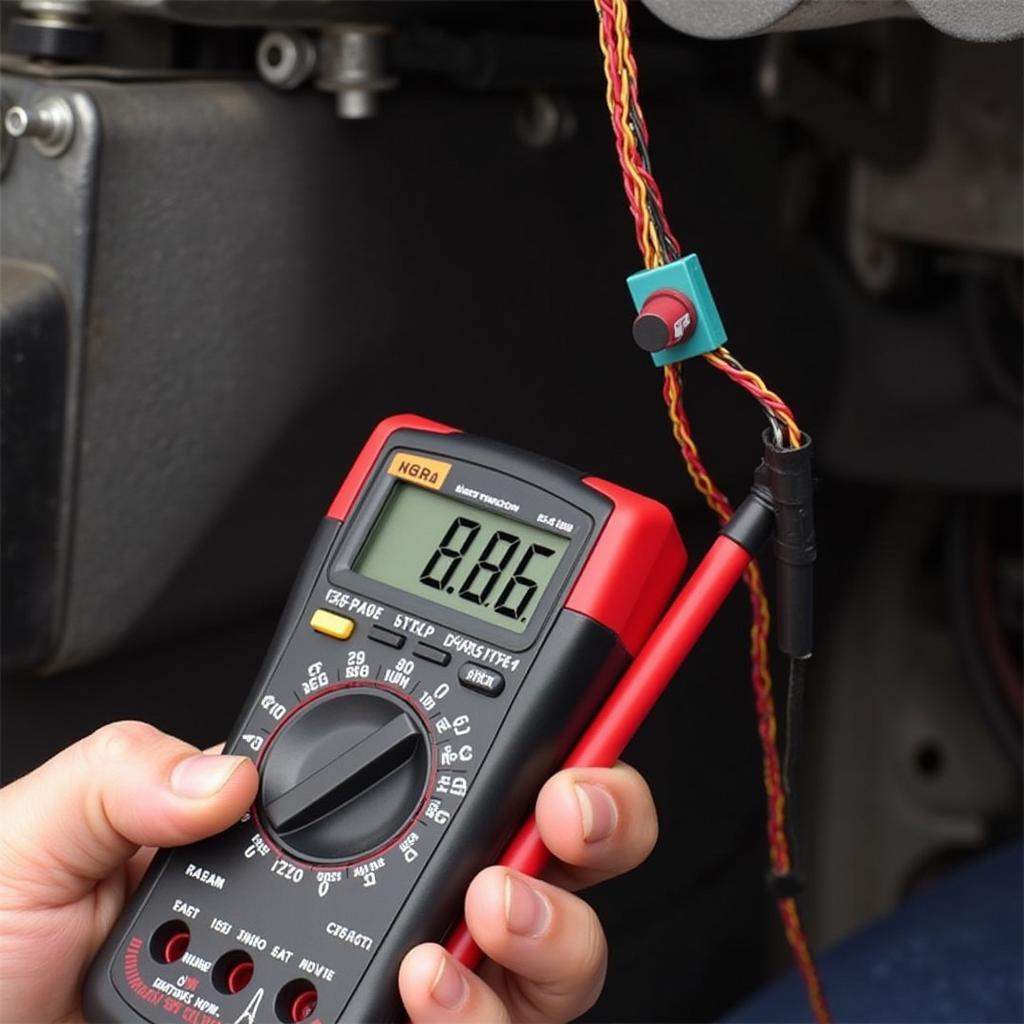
[(84, 812)]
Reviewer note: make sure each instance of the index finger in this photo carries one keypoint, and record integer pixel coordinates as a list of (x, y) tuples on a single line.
[(597, 822)]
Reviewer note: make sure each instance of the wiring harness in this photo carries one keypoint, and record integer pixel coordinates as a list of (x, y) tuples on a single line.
[(784, 481)]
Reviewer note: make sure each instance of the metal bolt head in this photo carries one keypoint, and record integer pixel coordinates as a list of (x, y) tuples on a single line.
[(355, 104), (285, 59), (49, 123), (352, 64), (16, 121)]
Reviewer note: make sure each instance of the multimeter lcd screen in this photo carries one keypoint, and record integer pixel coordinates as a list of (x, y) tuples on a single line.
[(480, 563)]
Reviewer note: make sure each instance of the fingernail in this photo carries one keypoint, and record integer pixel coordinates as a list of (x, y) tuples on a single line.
[(449, 988), (598, 810), (527, 912), (202, 776)]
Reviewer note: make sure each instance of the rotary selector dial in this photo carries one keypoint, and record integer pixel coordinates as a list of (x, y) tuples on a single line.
[(345, 775)]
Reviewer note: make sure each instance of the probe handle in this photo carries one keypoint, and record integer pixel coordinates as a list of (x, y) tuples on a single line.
[(632, 699)]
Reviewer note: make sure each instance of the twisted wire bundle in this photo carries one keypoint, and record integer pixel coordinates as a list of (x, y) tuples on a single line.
[(658, 245)]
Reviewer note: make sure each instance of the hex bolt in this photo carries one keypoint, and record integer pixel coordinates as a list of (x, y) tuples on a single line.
[(49, 123)]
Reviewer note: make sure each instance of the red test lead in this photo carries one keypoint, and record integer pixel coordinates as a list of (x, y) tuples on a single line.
[(646, 679)]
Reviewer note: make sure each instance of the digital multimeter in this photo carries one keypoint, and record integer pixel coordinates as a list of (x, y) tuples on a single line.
[(461, 615)]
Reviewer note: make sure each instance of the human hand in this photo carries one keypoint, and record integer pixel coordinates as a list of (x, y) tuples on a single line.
[(546, 948), (79, 833), (81, 829)]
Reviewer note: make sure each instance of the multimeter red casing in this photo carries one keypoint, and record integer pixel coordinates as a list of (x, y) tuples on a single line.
[(323, 937)]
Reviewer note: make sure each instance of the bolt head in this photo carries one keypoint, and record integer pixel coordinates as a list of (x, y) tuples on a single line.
[(16, 121)]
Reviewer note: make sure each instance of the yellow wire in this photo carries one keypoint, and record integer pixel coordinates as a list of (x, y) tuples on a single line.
[(653, 254), (652, 243), (609, 75), (617, 71)]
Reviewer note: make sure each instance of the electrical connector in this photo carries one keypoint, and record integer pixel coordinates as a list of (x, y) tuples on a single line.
[(789, 480), (788, 477), (779, 504)]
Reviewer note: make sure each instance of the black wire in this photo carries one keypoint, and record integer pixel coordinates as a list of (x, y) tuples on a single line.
[(793, 882), (778, 427), (669, 247), (638, 136), (794, 724)]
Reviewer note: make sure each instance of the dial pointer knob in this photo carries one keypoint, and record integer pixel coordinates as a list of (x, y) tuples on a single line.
[(346, 776)]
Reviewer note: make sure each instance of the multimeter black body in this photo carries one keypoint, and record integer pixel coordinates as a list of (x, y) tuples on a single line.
[(462, 612)]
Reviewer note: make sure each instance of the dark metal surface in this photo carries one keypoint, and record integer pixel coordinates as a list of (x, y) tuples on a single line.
[(887, 125), (48, 219), (33, 364), (64, 40), (912, 764), (933, 420), (965, 189)]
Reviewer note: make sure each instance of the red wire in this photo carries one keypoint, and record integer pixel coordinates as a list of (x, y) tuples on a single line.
[(764, 398), (621, 143)]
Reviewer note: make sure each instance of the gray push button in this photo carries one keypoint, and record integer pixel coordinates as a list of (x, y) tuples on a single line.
[(483, 680), (434, 654), (386, 636)]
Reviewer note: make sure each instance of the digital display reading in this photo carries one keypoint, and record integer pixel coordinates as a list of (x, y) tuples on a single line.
[(478, 562)]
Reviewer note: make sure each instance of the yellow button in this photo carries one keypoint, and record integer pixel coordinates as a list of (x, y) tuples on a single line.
[(332, 625)]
